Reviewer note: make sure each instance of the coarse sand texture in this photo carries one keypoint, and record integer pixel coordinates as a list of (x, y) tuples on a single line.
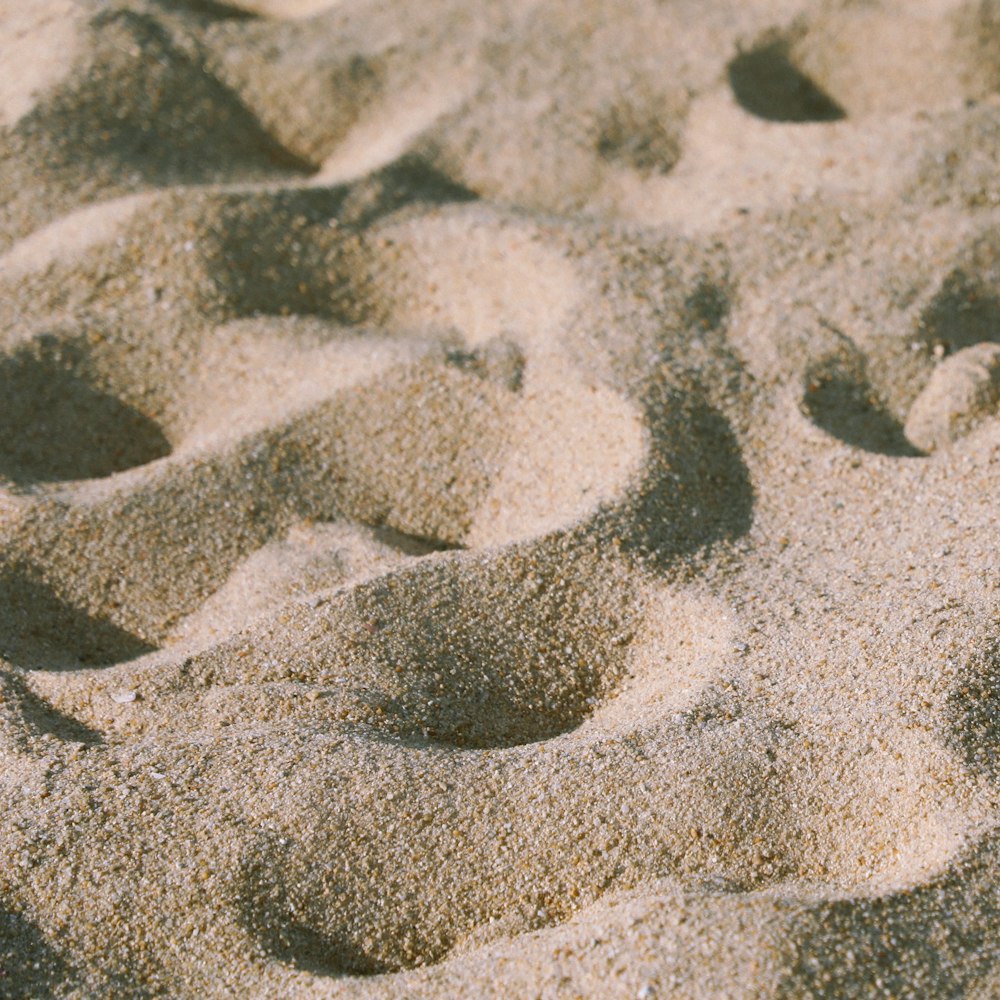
[(500, 500)]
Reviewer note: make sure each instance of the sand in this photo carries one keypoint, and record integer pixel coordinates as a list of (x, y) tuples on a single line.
[(500, 500)]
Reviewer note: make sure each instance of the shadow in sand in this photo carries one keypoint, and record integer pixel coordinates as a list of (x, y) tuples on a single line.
[(866, 947), (268, 912), (56, 426), (318, 270), (766, 83), (974, 711), (961, 315), (40, 716), (148, 108), (39, 630), (841, 402), (30, 968), (697, 490)]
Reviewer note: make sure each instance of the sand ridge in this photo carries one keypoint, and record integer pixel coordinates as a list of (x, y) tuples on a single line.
[(500, 501)]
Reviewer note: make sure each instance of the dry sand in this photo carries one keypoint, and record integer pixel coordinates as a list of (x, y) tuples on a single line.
[(500, 500)]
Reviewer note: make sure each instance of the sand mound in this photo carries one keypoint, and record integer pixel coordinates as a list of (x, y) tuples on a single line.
[(500, 502)]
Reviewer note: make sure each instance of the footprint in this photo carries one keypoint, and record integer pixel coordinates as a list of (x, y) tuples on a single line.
[(354, 889), (916, 377), (823, 69), (839, 386), (415, 653)]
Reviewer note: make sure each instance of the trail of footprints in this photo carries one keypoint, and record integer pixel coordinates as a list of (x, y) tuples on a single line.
[(142, 79), (357, 415)]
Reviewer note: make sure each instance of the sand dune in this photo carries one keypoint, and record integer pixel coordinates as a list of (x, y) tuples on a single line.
[(500, 500)]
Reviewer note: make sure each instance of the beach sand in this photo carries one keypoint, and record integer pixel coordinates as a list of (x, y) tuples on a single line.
[(500, 500)]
